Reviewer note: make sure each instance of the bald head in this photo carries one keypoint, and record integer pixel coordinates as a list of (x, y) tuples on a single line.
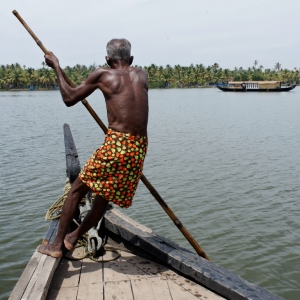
[(118, 49)]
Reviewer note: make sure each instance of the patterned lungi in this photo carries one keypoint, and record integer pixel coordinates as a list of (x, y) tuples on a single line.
[(114, 170)]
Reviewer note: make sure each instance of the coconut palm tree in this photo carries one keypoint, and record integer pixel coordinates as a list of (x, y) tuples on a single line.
[(255, 64), (15, 78), (277, 67)]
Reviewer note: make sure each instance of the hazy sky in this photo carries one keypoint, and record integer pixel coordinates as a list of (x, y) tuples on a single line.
[(230, 33)]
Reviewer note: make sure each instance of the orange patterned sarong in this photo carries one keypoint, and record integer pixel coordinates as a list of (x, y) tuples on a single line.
[(114, 170)]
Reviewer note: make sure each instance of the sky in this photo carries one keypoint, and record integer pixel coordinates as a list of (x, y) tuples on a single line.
[(230, 33)]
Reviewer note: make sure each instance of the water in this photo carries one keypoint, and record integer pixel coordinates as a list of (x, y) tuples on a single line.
[(226, 163)]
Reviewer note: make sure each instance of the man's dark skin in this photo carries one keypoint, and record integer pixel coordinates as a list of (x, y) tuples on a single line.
[(125, 89)]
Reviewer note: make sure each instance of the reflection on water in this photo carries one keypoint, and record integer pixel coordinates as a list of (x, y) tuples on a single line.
[(227, 164)]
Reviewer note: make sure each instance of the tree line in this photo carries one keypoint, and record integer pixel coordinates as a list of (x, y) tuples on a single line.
[(15, 76)]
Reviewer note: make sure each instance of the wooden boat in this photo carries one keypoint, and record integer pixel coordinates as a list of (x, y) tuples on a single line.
[(149, 267), (255, 86)]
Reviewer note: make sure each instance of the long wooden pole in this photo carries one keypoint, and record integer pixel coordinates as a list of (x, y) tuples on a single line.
[(152, 190)]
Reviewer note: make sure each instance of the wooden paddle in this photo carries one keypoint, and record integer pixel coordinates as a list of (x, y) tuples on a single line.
[(152, 190)]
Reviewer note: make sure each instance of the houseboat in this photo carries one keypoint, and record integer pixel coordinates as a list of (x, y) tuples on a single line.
[(256, 86)]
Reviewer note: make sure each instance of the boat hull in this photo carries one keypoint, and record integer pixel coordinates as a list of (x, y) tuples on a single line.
[(226, 89), (36, 278)]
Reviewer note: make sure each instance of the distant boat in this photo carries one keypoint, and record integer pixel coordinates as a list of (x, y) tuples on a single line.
[(256, 86)]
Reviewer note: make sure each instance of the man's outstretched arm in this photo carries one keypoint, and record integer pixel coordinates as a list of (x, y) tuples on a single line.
[(73, 95)]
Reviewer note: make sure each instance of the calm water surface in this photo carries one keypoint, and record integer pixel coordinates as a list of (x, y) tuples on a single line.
[(226, 163)]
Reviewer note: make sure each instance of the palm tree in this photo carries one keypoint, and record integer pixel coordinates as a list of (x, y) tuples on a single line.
[(16, 78), (255, 64), (277, 67), (48, 78), (32, 76)]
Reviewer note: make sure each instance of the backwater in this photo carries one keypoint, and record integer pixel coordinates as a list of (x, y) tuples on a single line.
[(226, 163)]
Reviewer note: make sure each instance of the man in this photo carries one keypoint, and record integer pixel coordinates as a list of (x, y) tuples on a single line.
[(113, 171)]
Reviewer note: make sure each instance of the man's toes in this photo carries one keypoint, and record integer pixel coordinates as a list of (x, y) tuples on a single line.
[(68, 245), (46, 249)]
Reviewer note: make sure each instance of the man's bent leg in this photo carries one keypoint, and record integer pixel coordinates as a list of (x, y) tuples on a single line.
[(92, 219), (77, 192)]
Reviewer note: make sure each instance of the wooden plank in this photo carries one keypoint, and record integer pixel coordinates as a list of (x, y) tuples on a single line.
[(121, 270), (112, 272), (146, 265), (179, 293), (67, 274), (142, 290), (93, 291), (42, 279), (91, 280), (38, 271), (23, 281), (75, 254), (160, 287), (69, 293), (208, 274), (164, 272), (194, 288), (91, 272), (120, 290)]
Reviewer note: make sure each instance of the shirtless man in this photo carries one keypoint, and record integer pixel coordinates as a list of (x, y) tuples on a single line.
[(113, 171)]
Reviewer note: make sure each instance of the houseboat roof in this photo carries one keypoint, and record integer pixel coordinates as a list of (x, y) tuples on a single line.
[(260, 82)]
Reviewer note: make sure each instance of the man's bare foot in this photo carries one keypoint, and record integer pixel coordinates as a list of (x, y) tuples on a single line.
[(49, 250), (70, 241)]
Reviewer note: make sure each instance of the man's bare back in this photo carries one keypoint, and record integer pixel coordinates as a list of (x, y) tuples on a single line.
[(125, 90), (126, 94)]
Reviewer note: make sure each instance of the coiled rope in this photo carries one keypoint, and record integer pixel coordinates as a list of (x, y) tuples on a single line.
[(55, 209)]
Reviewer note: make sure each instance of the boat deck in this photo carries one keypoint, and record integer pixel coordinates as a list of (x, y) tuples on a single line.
[(130, 277), (149, 267)]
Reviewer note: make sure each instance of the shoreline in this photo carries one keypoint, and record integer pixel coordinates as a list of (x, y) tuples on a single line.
[(28, 90), (54, 90)]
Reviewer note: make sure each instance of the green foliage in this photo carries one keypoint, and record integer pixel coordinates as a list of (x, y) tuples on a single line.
[(155, 85), (256, 76), (15, 76), (237, 77)]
